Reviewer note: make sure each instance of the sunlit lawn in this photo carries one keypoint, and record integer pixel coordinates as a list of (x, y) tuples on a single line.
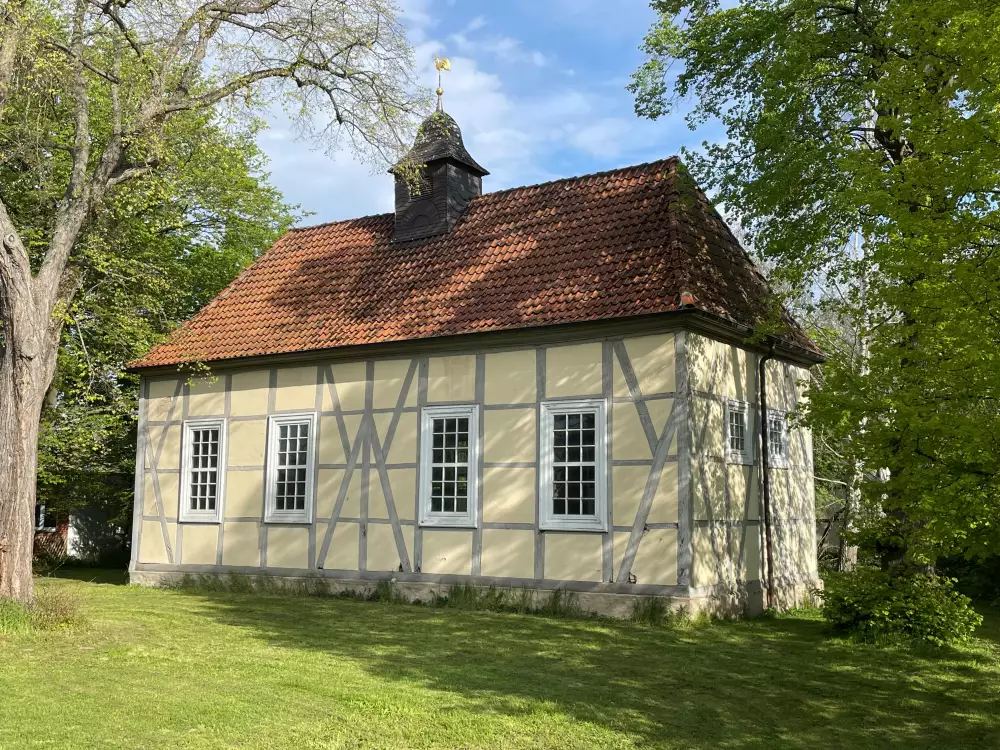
[(169, 669)]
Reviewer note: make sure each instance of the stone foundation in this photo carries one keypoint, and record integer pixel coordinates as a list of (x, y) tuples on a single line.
[(746, 601)]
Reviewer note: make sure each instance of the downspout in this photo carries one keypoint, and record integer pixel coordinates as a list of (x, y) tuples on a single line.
[(765, 475)]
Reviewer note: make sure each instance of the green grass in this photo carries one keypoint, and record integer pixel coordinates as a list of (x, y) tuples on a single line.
[(180, 669)]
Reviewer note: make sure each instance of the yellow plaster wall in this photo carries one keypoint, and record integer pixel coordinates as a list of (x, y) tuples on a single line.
[(403, 484), (656, 558), (167, 440), (288, 547), (244, 494), (447, 552), (403, 449), (652, 359), (509, 495), (389, 378), (705, 571), (708, 491), (620, 544), (207, 397), (628, 439), (349, 379), (509, 435), (343, 551), (249, 393), (573, 370), (510, 377), (328, 488), (508, 553), (247, 442), (629, 483), (573, 557), (451, 378), (169, 494), (241, 544), (708, 427), (382, 552), (161, 398), (201, 540), (748, 502), (296, 389), (151, 546)]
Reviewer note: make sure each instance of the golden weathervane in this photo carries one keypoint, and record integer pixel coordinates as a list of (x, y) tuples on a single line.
[(441, 63)]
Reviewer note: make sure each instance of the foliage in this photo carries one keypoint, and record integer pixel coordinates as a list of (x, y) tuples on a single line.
[(873, 603), (878, 118), (978, 578)]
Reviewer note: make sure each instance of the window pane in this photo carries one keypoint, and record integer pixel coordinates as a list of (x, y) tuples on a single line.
[(450, 456), (203, 478), (293, 457), (574, 463)]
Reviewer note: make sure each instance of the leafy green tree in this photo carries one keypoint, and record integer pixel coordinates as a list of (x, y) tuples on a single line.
[(92, 97), (878, 117), (157, 254)]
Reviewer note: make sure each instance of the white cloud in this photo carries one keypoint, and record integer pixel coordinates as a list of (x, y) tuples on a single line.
[(604, 138)]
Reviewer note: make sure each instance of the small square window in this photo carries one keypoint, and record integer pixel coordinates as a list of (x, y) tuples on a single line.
[(203, 474), (739, 435), (572, 479), (449, 465), (290, 464), (45, 520)]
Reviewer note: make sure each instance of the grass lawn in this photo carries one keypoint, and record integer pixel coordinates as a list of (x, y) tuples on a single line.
[(171, 669)]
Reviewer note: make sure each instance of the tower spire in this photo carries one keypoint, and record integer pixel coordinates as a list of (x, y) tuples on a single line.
[(441, 63)]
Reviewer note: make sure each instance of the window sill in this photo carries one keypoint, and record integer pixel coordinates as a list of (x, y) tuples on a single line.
[(448, 523), (196, 519), (739, 460), (594, 527), (303, 520)]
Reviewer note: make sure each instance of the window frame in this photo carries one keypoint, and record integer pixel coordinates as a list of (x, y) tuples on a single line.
[(186, 514), (271, 513), (40, 523), (773, 460), (547, 520), (744, 457), (427, 517)]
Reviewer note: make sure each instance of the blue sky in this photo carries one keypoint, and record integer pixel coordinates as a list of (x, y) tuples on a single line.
[(537, 86)]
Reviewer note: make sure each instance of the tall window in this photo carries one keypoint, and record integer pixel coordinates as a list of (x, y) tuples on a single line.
[(449, 448), (290, 465), (777, 438), (203, 472), (572, 478), (738, 436)]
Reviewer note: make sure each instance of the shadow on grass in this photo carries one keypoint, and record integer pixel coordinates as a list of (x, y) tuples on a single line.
[(112, 576), (766, 683)]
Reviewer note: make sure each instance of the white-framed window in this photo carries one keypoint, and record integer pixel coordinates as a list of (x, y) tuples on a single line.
[(291, 450), (739, 432), (449, 465), (573, 473), (777, 438), (203, 475), (45, 520)]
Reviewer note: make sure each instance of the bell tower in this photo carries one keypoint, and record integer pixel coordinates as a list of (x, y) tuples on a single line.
[(437, 178)]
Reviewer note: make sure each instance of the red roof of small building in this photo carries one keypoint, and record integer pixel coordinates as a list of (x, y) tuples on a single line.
[(610, 245)]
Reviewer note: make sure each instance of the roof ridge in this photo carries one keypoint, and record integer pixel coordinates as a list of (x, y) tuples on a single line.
[(572, 178)]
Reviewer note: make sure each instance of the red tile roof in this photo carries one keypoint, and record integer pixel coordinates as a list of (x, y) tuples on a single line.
[(616, 244)]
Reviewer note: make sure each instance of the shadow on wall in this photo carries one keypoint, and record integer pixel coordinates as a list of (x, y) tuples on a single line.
[(732, 684), (96, 541)]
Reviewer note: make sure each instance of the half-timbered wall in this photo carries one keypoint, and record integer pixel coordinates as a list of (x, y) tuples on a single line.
[(725, 507), (678, 514), (367, 471)]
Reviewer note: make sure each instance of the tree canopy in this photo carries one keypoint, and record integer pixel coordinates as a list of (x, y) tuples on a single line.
[(881, 118)]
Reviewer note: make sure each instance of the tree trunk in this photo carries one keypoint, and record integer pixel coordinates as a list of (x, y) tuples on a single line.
[(23, 384), (847, 554)]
